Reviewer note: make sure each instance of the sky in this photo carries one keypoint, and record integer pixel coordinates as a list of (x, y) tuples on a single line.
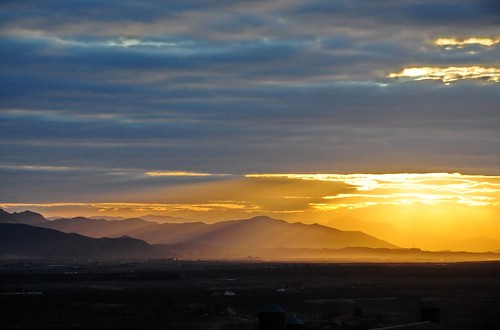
[(207, 109)]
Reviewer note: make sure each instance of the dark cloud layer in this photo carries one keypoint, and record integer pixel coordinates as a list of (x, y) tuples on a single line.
[(237, 87)]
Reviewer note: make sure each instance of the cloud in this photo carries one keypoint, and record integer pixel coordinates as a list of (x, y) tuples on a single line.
[(237, 87), (468, 41), (449, 74), (306, 196), (38, 168), (403, 189), (133, 209), (178, 173)]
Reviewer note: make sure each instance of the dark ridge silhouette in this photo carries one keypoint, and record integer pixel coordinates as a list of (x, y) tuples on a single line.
[(26, 217), (265, 232), (97, 227), (20, 240), (256, 232)]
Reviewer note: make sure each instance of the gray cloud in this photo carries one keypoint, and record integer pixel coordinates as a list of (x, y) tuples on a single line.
[(234, 87)]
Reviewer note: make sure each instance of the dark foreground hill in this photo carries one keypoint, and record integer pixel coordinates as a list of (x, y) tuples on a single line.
[(20, 240)]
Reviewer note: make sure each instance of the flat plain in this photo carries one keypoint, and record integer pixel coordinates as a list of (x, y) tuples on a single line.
[(174, 294)]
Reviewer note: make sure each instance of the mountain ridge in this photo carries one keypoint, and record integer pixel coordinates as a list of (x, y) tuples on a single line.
[(260, 237), (26, 217), (259, 231), (266, 232), (29, 241)]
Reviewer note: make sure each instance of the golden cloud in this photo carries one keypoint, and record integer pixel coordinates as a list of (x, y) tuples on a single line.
[(454, 42), (449, 74), (403, 189), (144, 207), (282, 193)]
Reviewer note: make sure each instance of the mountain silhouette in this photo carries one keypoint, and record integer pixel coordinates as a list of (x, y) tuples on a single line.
[(97, 227), (265, 232), (20, 240), (26, 217), (165, 219), (260, 237), (257, 232)]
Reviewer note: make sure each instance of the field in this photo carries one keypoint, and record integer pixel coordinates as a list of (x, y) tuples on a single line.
[(172, 294)]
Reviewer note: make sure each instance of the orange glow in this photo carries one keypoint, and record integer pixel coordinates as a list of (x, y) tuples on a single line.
[(408, 188), (420, 209)]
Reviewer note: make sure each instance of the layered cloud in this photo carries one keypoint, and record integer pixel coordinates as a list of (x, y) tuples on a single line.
[(98, 98), (301, 193), (448, 74)]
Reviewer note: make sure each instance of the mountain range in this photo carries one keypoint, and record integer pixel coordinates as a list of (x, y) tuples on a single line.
[(26, 241), (26, 217), (257, 232), (258, 236)]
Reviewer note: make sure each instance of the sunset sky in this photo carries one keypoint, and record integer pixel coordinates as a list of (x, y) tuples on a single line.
[(381, 111)]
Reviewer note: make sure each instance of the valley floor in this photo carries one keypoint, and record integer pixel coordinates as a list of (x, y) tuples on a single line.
[(172, 294)]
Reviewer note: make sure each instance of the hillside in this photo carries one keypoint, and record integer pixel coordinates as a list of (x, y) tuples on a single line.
[(259, 237), (257, 232), (97, 227), (26, 217), (265, 232), (20, 240)]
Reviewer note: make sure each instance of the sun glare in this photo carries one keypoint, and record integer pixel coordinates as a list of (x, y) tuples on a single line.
[(449, 205), (404, 189)]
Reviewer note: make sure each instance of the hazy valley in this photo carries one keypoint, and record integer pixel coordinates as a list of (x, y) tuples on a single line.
[(29, 234)]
